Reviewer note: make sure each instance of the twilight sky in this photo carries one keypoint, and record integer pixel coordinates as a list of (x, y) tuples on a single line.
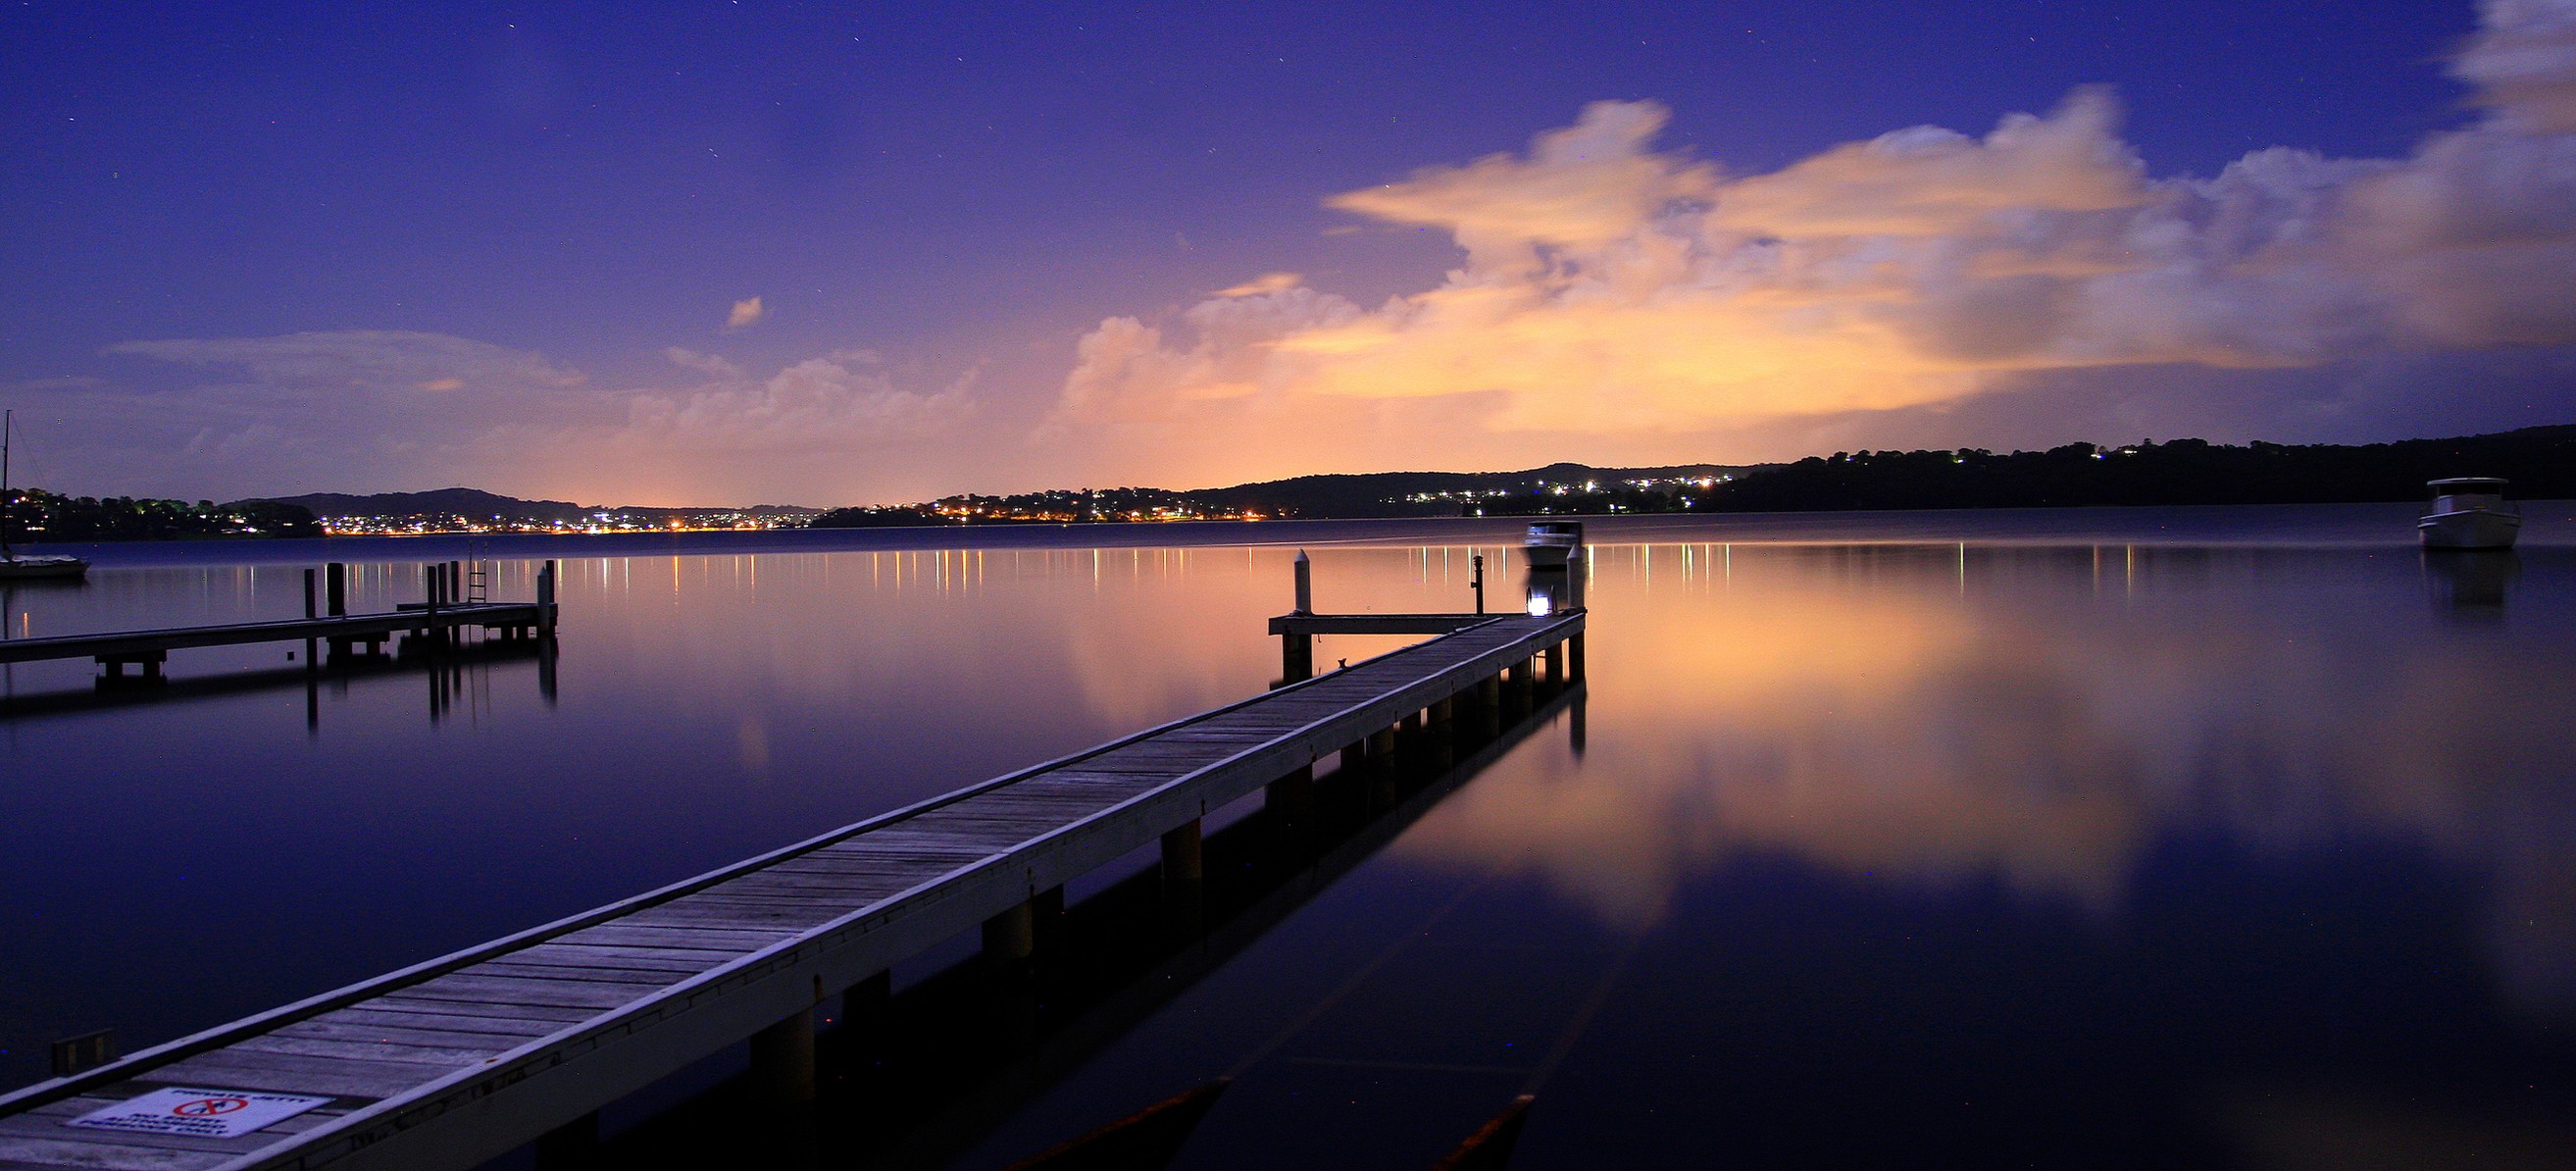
[(827, 254)]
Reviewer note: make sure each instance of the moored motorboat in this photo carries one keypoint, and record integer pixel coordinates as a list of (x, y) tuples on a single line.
[(1550, 542), (2469, 512)]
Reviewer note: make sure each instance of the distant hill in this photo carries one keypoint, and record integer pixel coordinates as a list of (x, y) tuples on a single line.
[(1401, 493), (478, 505), (466, 502), (2540, 462)]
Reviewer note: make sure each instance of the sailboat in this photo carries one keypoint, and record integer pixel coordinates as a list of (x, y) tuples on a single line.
[(12, 566)]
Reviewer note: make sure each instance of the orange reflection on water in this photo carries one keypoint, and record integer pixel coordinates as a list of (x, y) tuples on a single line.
[(1941, 718)]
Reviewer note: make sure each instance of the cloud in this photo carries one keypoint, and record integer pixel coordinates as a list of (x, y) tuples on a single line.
[(839, 404), (744, 313), (377, 411), (1639, 301), (378, 361), (704, 363), (1269, 282)]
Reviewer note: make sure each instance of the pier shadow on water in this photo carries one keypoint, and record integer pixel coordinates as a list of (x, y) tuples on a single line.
[(917, 1071)]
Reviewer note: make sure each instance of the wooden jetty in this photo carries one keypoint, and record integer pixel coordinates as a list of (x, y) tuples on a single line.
[(436, 618), (451, 1062)]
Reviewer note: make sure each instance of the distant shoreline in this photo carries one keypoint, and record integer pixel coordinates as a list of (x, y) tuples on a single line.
[(2551, 524)]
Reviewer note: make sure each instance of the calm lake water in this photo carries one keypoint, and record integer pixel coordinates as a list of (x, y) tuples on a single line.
[(2192, 837)]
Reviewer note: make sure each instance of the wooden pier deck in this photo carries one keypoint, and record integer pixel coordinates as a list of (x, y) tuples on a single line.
[(438, 617), (454, 1061)]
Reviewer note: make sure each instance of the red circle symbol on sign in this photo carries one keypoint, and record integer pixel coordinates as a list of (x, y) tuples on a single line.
[(208, 1107)]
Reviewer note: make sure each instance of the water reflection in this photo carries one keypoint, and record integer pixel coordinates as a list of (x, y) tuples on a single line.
[(2043, 718), (2471, 582)]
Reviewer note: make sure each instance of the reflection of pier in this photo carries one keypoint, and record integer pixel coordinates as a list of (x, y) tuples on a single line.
[(449, 611), (459, 1059), (446, 672)]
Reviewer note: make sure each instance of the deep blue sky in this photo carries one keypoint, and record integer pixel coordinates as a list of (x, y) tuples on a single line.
[(962, 185)]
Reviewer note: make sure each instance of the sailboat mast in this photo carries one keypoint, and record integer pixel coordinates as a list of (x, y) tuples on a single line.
[(6, 418)]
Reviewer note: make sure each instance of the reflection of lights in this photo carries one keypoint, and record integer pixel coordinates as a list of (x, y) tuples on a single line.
[(1540, 604)]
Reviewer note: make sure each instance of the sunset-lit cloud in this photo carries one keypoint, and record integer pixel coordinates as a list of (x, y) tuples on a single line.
[(1268, 282), (1616, 298), (745, 312)]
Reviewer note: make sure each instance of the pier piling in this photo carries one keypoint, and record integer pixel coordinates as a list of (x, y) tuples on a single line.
[(782, 1061)]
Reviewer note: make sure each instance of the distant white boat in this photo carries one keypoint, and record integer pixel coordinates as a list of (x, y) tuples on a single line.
[(12, 566), (2469, 512), (1550, 542)]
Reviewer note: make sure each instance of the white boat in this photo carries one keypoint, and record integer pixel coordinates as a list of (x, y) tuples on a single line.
[(1550, 542), (14, 567), (2469, 512)]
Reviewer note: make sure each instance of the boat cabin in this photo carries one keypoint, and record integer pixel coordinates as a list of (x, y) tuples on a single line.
[(2466, 492)]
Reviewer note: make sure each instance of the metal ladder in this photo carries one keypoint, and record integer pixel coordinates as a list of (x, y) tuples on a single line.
[(477, 581)]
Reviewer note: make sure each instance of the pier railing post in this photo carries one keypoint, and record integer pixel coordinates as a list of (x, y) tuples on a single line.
[(1305, 584), (335, 588), (1575, 564)]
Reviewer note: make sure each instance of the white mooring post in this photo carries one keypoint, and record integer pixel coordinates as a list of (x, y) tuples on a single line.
[(1305, 584)]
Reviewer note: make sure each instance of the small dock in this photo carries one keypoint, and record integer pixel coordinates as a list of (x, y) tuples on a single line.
[(452, 1062), (436, 619)]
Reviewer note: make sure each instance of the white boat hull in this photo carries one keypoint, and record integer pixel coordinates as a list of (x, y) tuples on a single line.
[(42, 568), (2469, 529)]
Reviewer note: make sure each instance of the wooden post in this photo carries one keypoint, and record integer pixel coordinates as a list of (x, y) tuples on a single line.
[(1478, 562), (574, 1144), (1574, 658), (335, 588), (546, 601), (1296, 657), (1011, 936), (782, 1061), (1554, 657), (311, 605), (1184, 864), (1305, 584), (1291, 798)]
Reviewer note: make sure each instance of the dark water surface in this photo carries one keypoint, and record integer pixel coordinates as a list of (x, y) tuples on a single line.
[(2204, 837)]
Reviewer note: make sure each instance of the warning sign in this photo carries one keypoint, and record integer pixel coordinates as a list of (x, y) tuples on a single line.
[(203, 1113)]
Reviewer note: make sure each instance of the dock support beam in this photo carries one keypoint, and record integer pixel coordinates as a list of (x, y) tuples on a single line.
[(782, 1061), (1554, 657)]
